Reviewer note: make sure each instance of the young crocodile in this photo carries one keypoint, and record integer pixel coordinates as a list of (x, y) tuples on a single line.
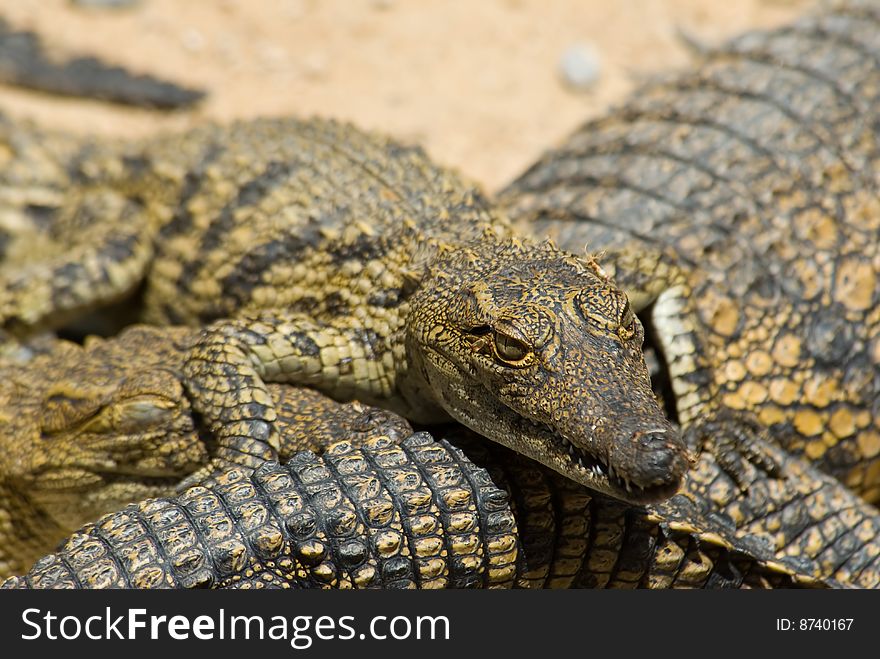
[(752, 182), (114, 424), (317, 254)]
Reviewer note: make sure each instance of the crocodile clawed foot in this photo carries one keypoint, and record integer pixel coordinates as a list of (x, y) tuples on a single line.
[(740, 445), (373, 421), (236, 452)]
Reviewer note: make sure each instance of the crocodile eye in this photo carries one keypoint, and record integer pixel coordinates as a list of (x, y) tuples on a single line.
[(509, 350), (608, 309), (141, 413), (627, 323)]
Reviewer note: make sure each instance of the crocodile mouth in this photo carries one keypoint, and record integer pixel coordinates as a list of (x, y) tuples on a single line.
[(595, 471), (158, 477), (71, 478)]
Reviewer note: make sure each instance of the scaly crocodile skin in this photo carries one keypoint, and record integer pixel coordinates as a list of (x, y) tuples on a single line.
[(386, 515), (803, 523), (756, 176)]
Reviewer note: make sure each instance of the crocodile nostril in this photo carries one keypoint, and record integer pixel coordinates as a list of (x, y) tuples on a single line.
[(655, 441), (650, 435), (662, 457)]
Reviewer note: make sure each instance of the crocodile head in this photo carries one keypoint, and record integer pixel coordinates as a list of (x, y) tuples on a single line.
[(539, 351), (89, 429)]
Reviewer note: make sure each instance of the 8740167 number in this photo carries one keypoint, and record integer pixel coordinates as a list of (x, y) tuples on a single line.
[(814, 624)]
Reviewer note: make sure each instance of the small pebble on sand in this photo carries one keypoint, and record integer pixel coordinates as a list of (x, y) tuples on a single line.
[(580, 66)]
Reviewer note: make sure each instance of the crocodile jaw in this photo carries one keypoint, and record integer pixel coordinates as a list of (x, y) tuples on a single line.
[(540, 442)]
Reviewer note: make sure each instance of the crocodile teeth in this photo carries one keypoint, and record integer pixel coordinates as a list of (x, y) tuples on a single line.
[(599, 470), (583, 459)]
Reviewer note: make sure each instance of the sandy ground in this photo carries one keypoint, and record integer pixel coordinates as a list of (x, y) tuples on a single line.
[(475, 81)]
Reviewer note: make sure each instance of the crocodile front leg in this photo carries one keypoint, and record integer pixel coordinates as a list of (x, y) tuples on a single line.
[(230, 362)]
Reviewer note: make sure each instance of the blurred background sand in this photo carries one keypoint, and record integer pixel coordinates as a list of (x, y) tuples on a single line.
[(477, 82)]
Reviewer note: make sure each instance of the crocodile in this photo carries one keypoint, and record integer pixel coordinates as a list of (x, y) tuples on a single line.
[(386, 515), (25, 62), (111, 424), (311, 252), (751, 182)]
